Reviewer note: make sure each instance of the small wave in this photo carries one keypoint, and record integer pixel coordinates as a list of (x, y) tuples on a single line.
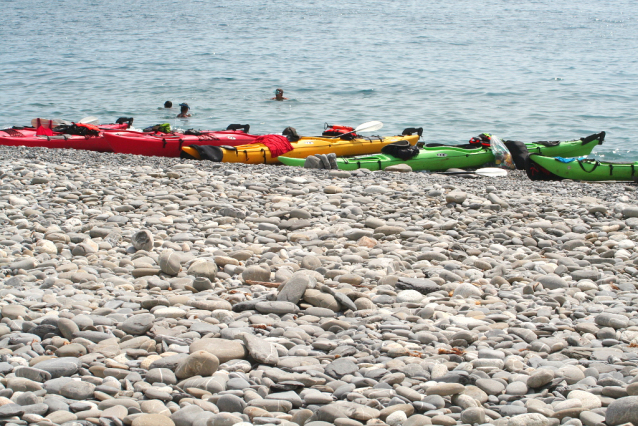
[(609, 21), (620, 155), (355, 92)]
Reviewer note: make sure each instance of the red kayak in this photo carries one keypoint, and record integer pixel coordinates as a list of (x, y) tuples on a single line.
[(170, 144), (92, 139)]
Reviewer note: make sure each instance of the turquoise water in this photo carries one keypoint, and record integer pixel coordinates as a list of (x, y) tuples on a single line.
[(548, 69)]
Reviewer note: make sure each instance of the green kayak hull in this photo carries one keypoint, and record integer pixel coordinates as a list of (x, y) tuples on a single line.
[(446, 157), (427, 159), (591, 170)]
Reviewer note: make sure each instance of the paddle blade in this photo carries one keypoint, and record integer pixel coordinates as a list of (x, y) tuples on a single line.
[(487, 171), (491, 171), (370, 126), (89, 120), (49, 124)]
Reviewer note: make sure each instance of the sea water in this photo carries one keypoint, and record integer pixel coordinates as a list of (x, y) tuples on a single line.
[(537, 70)]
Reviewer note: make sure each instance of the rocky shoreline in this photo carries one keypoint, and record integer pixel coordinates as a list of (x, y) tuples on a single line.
[(160, 292)]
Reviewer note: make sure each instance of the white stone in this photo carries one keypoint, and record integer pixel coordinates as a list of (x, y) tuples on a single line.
[(529, 419), (588, 400), (467, 290), (169, 313), (396, 418), (409, 296), (626, 244), (46, 246), (376, 189), (622, 254)]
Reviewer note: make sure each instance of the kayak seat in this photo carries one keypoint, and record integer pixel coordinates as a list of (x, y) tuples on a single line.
[(291, 134), (411, 130), (401, 149), (244, 127), (545, 143), (127, 120)]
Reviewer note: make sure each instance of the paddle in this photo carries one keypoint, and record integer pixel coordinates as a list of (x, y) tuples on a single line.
[(46, 123), (487, 171), (370, 126), (89, 120)]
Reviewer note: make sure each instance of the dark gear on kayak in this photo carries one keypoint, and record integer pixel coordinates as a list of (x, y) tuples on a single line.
[(291, 134), (345, 132), (482, 139)]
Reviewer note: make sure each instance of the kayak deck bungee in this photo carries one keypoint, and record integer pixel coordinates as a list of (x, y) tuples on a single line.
[(259, 154), (170, 144), (586, 169), (442, 157), (26, 136)]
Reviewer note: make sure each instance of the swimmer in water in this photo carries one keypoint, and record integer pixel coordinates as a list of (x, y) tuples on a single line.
[(279, 95), (168, 104), (184, 111)]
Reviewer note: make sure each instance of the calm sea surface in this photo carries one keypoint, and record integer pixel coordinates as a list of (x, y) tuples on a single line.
[(537, 70)]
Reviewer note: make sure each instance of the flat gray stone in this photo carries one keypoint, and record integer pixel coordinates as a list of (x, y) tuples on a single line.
[(422, 285), (340, 367), (622, 410), (552, 282), (277, 307), (60, 367), (260, 350), (225, 350), (11, 410), (34, 374), (293, 289), (612, 320), (540, 378), (138, 324), (187, 415), (231, 404), (78, 390)]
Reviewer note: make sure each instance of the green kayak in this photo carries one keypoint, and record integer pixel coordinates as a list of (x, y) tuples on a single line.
[(588, 169), (442, 157)]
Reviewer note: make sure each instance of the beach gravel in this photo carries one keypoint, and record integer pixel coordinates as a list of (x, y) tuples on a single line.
[(164, 292)]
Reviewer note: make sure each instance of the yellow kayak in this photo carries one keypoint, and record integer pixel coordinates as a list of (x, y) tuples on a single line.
[(258, 153)]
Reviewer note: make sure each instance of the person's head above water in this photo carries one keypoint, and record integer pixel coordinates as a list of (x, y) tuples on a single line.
[(279, 95), (168, 104), (184, 110)]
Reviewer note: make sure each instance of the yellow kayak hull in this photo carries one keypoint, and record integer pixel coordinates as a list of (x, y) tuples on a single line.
[(259, 154)]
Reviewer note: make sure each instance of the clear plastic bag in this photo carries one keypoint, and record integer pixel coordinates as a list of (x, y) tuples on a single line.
[(502, 155)]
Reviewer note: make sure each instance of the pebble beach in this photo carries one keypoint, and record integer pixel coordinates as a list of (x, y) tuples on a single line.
[(164, 292)]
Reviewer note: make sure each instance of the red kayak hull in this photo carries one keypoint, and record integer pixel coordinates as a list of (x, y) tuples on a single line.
[(170, 144), (27, 137)]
